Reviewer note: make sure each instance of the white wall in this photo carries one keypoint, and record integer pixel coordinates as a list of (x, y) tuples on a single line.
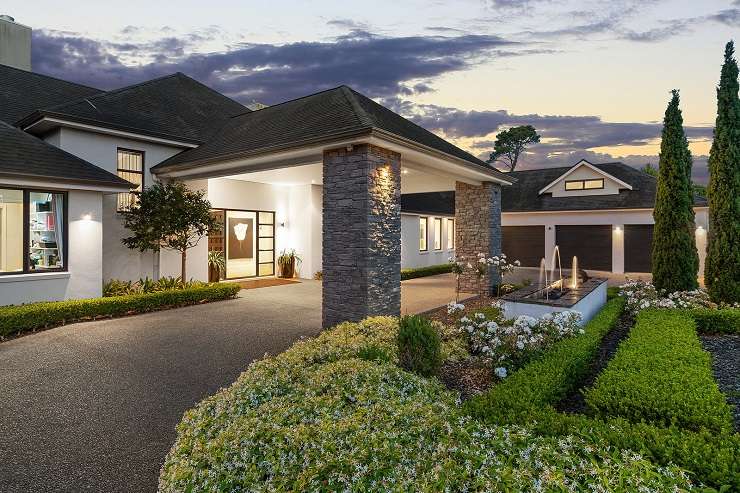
[(83, 278), (119, 262), (615, 218), (410, 254), (611, 187)]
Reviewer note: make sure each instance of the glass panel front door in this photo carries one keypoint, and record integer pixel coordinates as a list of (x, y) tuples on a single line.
[(241, 252)]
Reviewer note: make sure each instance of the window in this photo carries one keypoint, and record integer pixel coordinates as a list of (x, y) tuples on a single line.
[(130, 165), (33, 231), (423, 234), (437, 233), (450, 233), (594, 184)]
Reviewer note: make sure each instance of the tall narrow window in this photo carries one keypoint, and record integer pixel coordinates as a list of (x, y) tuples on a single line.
[(11, 230), (450, 234), (438, 233), (130, 165), (423, 233)]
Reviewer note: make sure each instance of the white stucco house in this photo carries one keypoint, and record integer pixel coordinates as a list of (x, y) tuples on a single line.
[(322, 174), (601, 213)]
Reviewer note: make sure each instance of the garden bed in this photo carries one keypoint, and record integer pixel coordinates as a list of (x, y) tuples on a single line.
[(725, 351)]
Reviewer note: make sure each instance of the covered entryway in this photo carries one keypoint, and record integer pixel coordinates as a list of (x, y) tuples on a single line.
[(638, 247), (592, 244), (524, 243)]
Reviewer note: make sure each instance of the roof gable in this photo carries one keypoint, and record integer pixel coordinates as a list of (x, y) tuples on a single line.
[(174, 107), (28, 157), (22, 92), (584, 164)]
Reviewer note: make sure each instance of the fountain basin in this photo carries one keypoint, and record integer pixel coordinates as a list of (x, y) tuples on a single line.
[(587, 298)]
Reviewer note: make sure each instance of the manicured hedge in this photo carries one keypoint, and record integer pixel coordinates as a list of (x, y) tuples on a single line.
[(34, 316), (717, 321), (546, 380), (431, 270), (661, 374)]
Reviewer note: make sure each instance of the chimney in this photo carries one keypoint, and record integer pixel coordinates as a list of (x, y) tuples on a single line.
[(15, 43)]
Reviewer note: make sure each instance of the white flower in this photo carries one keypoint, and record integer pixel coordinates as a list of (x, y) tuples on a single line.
[(500, 372)]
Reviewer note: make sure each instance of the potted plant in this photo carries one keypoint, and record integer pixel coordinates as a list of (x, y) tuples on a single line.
[(216, 265), (287, 262)]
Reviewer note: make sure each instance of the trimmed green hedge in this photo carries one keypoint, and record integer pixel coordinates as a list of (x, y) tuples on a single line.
[(717, 321), (546, 380), (431, 270), (527, 397), (34, 316), (661, 374)]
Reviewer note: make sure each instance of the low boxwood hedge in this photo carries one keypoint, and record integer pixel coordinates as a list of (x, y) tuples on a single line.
[(25, 318), (431, 270), (547, 379), (717, 321), (661, 374)]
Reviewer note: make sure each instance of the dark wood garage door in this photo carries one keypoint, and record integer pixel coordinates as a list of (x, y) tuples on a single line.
[(524, 243), (591, 244), (638, 247)]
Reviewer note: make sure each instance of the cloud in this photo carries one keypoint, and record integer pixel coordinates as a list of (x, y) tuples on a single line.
[(348, 24), (269, 72)]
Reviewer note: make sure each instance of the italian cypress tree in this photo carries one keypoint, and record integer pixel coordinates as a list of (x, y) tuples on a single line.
[(722, 266), (675, 259)]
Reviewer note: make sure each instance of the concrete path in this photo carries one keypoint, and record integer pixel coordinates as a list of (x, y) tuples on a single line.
[(93, 406)]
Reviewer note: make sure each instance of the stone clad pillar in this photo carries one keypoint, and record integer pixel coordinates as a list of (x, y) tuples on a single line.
[(477, 228), (361, 250)]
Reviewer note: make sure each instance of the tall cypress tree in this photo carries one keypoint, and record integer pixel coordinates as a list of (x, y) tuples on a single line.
[(722, 266), (675, 259)]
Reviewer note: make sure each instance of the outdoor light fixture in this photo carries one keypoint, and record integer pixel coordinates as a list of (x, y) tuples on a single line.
[(699, 230), (405, 172), (240, 230), (617, 229), (87, 217)]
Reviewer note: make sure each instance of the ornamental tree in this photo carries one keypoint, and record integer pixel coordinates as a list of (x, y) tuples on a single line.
[(675, 259), (722, 266), (511, 143), (168, 216)]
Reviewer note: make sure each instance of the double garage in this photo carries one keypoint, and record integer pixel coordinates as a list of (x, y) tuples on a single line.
[(593, 244)]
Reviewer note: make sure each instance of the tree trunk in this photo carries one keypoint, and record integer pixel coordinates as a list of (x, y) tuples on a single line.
[(183, 259)]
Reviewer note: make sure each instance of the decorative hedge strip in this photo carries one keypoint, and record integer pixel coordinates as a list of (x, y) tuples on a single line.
[(431, 270), (34, 316), (722, 321), (661, 374), (527, 397), (549, 378)]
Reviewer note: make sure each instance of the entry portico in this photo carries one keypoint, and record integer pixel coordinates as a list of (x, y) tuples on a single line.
[(332, 167)]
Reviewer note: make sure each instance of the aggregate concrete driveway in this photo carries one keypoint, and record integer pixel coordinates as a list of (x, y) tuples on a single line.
[(93, 406)]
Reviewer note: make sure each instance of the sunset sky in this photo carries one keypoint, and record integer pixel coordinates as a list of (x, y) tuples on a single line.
[(592, 76)]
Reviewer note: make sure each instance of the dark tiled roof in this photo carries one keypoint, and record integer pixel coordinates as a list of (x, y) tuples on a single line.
[(22, 92), (339, 111), (429, 203), (25, 156), (523, 196), (174, 107)]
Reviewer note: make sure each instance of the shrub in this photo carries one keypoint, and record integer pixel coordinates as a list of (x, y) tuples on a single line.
[(662, 375), (720, 321), (419, 346), (115, 287), (547, 379), (431, 270), (315, 418), (34, 316)]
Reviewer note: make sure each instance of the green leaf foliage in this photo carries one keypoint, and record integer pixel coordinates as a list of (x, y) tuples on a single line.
[(25, 318), (430, 270), (419, 346), (511, 143), (660, 374), (717, 321), (722, 266), (675, 258)]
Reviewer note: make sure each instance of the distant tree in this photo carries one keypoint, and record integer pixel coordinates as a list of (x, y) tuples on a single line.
[(511, 143), (675, 259), (698, 188), (722, 266), (171, 217), (650, 169)]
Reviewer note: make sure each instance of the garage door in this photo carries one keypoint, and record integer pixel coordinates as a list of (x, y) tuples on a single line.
[(591, 244), (524, 243), (638, 247)]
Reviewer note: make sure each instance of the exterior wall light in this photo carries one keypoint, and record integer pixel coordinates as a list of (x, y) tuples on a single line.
[(700, 230), (405, 172), (86, 217), (617, 229)]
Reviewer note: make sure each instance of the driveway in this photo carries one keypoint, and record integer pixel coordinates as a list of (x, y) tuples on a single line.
[(93, 406)]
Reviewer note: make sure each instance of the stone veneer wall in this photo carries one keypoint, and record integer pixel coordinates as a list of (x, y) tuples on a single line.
[(477, 228), (361, 234)]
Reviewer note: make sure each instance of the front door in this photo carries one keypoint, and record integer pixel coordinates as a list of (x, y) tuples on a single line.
[(247, 242)]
